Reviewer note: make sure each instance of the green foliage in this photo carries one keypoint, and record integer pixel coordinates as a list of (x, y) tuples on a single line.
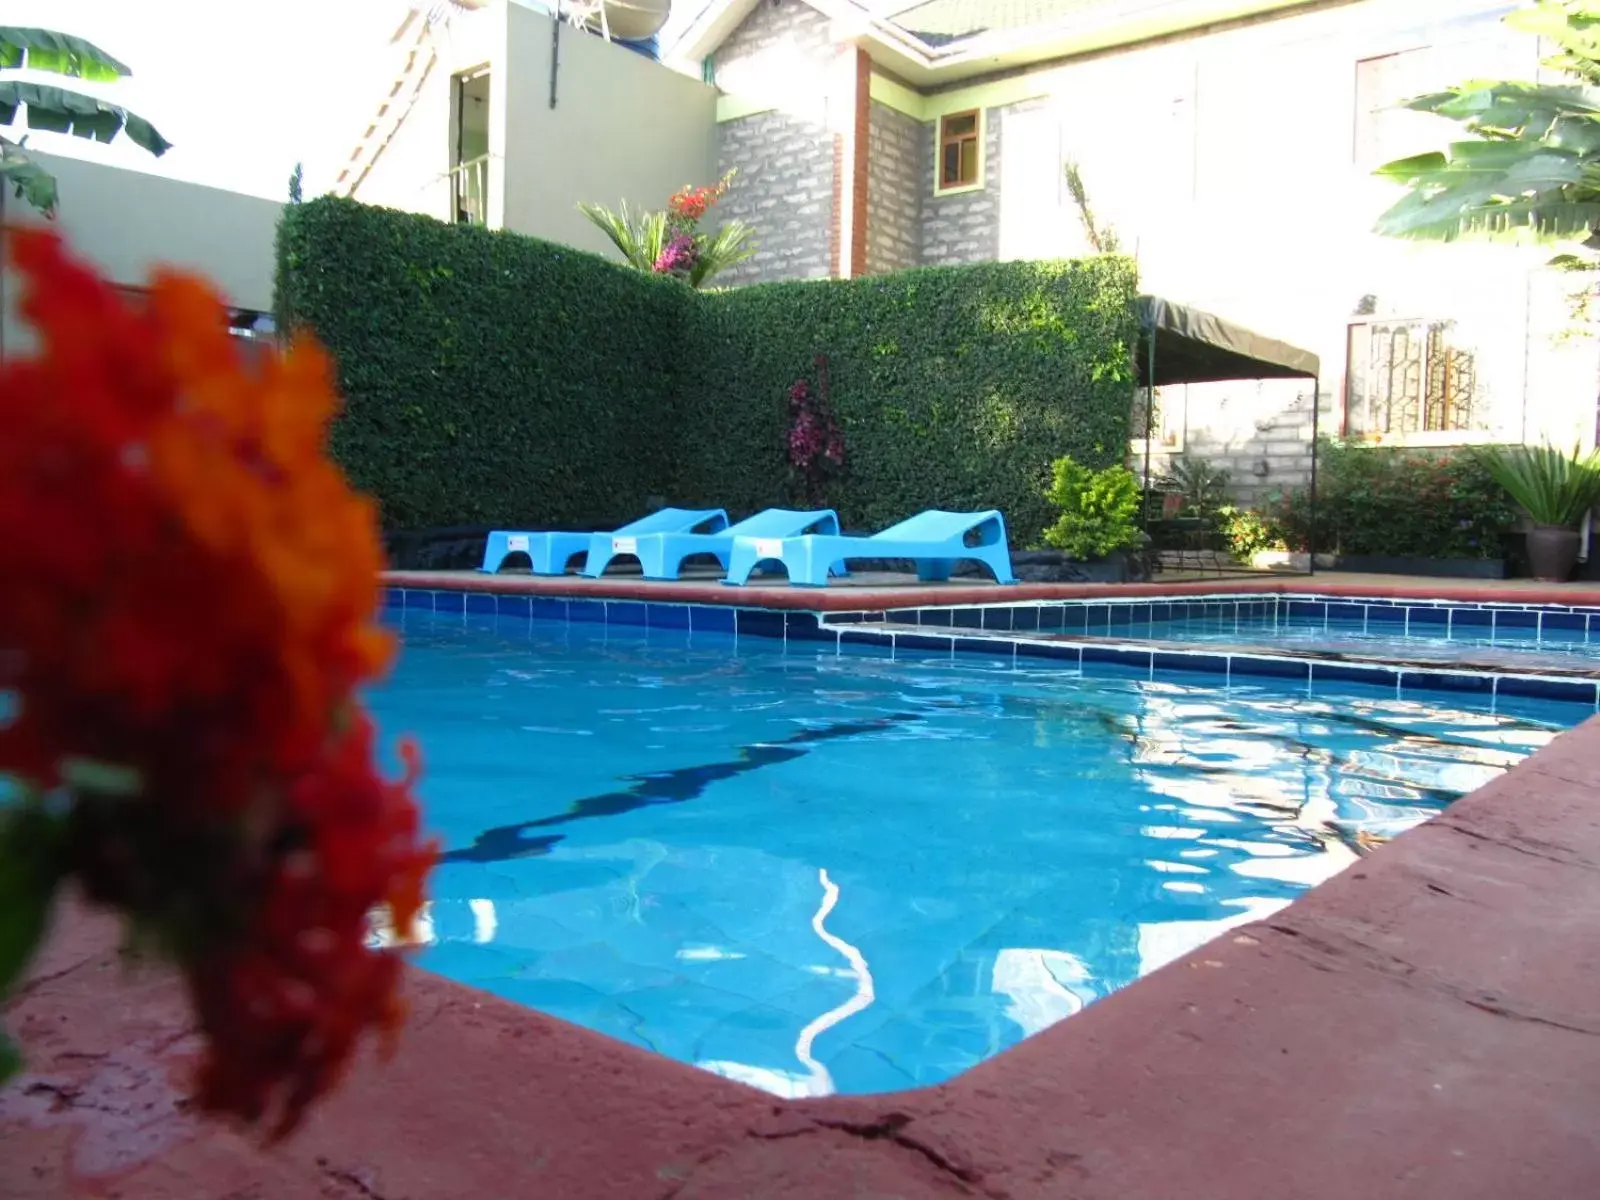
[(1102, 237), (1099, 510), (1530, 169), (642, 237), (1555, 488), (954, 387), (662, 242), (638, 236), (1204, 487), (60, 110), (496, 379), (488, 378), (1381, 500), (1250, 531), (30, 871)]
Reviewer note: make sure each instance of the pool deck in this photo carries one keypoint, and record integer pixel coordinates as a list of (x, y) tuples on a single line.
[(1424, 1026), (873, 592)]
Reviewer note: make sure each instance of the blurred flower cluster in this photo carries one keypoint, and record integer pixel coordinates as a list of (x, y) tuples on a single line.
[(188, 615)]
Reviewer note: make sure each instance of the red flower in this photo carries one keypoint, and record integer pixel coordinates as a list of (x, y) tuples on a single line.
[(191, 609)]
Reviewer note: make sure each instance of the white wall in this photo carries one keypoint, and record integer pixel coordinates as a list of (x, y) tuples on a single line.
[(623, 128), (1228, 164), (126, 223), (412, 172)]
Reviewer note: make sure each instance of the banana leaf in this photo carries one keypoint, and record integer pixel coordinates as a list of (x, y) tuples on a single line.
[(58, 53), (58, 110)]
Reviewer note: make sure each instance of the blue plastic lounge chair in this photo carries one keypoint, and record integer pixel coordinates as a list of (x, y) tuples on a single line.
[(936, 541), (661, 555), (549, 553)]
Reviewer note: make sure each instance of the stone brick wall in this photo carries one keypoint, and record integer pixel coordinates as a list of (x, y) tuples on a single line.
[(784, 190), (965, 227), (1259, 432), (898, 146), (789, 38), (785, 157)]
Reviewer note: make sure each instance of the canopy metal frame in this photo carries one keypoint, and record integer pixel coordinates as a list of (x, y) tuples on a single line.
[(1198, 347)]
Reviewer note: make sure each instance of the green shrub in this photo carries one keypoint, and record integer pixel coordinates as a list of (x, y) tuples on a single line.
[(493, 378), (1203, 486), (488, 378), (1099, 510), (1249, 532), (1374, 500)]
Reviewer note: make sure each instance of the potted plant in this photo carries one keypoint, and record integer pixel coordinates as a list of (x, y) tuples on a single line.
[(1556, 490)]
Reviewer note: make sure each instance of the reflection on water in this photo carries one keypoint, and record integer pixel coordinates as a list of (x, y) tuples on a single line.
[(856, 875)]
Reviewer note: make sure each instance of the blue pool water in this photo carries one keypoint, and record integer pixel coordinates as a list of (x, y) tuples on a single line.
[(818, 869), (1439, 638)]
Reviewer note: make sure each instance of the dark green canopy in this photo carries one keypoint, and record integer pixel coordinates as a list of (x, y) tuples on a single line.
[(1190, 346)]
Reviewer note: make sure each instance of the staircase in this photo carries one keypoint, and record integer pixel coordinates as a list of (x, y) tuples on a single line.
[(417, 62)]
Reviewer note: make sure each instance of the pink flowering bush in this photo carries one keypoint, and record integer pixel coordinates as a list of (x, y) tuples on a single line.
[(816, 445)]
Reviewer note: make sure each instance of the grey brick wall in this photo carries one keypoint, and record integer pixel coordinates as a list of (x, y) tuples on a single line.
[(784, 191), (963, 228), (897, 147), (784, 188), (1266, 451), (792, 30)]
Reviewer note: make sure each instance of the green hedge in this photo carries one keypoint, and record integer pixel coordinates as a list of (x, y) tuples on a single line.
[(488, 378), (955, 387), (494, 378)]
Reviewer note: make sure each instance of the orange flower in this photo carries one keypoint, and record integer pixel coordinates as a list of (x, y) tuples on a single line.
[(193, 604)]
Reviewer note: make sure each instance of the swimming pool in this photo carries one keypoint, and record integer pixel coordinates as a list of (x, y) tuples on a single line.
[(1441, 628), (816, 868)]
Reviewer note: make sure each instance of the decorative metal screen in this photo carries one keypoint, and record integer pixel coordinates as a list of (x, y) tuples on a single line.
[(1411, 377)]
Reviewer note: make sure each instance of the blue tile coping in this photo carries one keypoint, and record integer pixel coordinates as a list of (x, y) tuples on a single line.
[(1043, 631)]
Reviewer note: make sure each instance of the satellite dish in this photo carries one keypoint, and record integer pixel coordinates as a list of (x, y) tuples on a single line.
[(628, 20)]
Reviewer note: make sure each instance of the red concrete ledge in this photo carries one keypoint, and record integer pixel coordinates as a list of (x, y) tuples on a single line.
[(872, 597), (1426, 1025)]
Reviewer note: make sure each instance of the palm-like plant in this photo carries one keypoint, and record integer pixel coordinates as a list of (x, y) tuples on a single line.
[(1556, 488), (645, 239), (58, 109), (640, 236), (1531, 169)]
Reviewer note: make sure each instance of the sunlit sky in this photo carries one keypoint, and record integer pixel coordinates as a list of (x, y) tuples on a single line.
[(243, 91)]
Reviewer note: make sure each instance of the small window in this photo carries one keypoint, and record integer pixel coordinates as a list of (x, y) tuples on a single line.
[(1385, 129), (960, 150)]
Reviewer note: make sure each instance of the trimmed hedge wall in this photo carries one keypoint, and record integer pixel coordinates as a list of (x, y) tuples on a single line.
[(488, 378), (955, 387), (495, 378)]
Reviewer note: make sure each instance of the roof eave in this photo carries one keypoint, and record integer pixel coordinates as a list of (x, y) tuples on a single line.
[(709, 29)]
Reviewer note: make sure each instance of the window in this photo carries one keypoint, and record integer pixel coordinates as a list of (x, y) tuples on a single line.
[(1438, 57), (1412, 377), (960, 151), (1384, 130), (257, 334), (1166, 420), (469, 152)]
